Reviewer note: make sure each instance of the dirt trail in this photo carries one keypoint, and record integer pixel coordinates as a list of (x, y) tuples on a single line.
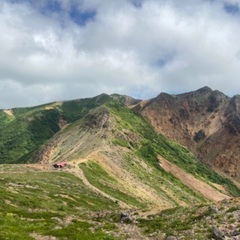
[(72, 168), (77, 171), (190, 181), (138, 189)]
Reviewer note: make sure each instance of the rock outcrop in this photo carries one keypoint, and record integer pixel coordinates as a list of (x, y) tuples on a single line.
[(206, 121)]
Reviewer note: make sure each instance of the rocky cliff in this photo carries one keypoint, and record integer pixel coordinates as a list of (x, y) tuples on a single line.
[(206, 121)]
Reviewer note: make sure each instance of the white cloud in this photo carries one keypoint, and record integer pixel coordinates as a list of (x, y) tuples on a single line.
[(157, 46)]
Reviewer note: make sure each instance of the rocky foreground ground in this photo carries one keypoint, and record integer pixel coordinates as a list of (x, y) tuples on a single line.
[(219, 221)]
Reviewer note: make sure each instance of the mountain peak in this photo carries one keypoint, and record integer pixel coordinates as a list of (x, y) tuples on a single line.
[(204, 89), (207, 113)]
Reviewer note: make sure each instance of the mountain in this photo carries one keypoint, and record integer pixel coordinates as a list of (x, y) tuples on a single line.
[(23, 130), (205, 121), (119, 143), (119, 171)]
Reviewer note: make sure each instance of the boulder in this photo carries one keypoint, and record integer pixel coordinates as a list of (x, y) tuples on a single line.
[(217, 234)]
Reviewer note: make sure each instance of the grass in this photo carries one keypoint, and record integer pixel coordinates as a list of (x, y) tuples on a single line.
[(23, 135), (153, 144), (12, 225), (37, 124), (58, 204), (165, 184), (38, 202), (56, 188), (195, 222), (176, 221), (99, 178), (24, 132)]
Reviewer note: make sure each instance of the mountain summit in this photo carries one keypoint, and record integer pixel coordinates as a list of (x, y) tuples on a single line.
[(206, 121)]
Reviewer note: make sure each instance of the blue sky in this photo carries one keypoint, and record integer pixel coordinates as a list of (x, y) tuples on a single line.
[(65, 49), (232, 8)]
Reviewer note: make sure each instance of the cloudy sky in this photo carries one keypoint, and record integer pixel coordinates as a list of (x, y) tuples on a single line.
[(66, 49)]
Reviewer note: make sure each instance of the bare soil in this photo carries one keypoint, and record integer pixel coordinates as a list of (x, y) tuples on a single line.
[(9, 112), (190, 181)]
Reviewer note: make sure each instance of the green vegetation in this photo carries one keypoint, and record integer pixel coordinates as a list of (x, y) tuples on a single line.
[(74, 110), (165, 184), (178, 222), (24, 130), (48, 204), (4, 118), (153, 144), (99, 178), (57, 184), (58, 204), (25, 134), (195, 222), (183, 158), (121, 142)]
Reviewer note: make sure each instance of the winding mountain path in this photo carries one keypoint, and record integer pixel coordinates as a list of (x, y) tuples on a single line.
[(78, 172)]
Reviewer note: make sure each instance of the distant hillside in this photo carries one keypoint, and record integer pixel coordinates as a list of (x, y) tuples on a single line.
[(65, 131), (206, 121), (123, 147), (24, 130)]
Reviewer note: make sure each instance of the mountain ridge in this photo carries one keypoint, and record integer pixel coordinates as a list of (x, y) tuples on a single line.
[(205, 121), (108, 127), (123, 179)]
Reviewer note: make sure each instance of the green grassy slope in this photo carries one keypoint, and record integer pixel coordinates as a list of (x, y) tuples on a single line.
[(25, 133), (48, 204), (151, 144), (57, 205), (196, 222), (102, 180), (22, 133)]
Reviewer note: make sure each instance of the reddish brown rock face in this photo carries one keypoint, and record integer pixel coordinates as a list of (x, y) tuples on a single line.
[(206, 121)]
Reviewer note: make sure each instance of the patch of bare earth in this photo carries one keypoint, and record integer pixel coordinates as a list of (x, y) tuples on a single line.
[(111, 161), (40, 237), (54, 105), (140, 190), (9, 112), (75, 170), (131, 232), (193, 183)]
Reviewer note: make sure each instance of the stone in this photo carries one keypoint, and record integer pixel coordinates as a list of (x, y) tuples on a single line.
[(125, 218), (214, 210), (217, 234), (171, 238)]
